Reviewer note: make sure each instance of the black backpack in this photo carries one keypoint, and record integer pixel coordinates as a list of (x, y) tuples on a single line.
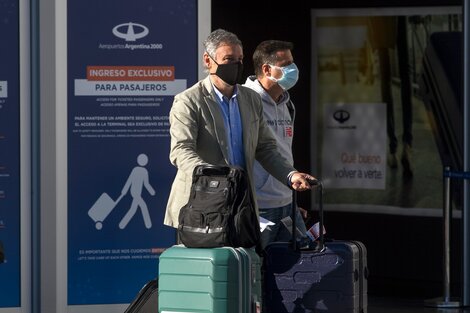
[(220, 211)]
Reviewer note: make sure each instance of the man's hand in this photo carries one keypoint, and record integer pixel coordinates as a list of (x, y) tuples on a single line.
[(300, 181), (303, 213)]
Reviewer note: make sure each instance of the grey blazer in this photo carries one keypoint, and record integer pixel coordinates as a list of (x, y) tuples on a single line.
[(198, 137)]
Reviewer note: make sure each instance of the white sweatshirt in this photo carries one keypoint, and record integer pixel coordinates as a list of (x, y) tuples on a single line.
[(270, 192)]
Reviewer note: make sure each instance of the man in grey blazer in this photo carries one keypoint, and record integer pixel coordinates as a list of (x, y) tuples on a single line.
[(217, 121)]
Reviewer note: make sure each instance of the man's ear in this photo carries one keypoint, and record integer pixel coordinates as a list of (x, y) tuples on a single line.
[(266, 69), (206, 59)]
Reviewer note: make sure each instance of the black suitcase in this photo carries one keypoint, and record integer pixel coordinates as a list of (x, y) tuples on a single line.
[(328, 277), (146, 300)]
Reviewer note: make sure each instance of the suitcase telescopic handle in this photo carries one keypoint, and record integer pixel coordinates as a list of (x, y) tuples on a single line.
[(293, 217), (317, 185), (321, 239), (313, 181)]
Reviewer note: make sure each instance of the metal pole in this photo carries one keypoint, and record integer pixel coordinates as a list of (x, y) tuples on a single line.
[(35, 161), (466, 160), (446, 277), (445, 301)]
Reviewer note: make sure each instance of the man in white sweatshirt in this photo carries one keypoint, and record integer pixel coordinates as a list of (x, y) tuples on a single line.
[(275, 73)]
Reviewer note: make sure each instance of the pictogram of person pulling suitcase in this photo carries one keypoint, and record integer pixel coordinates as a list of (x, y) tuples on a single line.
[(134, 184)]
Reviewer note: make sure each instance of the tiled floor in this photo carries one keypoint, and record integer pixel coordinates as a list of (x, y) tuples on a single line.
[(391, 305)]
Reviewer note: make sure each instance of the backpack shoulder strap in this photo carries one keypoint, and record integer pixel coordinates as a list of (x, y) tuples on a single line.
[(290, 107)]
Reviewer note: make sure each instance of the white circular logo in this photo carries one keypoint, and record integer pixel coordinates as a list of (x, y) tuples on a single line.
[(130, 31)]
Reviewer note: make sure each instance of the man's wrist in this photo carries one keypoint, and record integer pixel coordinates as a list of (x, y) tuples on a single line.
[(289, 178)]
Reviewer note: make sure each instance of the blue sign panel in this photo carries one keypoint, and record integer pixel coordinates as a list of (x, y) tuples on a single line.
[(126, 61), (9, 154)]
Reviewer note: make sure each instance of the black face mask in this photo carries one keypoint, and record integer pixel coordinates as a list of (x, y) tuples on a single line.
[(230, 73)]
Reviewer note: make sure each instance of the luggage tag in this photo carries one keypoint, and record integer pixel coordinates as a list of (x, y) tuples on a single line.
[(264, 224), (314, 232), (287, 221)]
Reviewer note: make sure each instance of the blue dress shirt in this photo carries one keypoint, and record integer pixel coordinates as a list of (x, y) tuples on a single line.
[(233, 127)]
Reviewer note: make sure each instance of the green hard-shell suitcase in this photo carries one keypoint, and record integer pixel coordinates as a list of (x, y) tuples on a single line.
[(218, 280)]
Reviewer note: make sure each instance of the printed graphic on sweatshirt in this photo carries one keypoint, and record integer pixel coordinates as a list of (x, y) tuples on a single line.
[(285, 125)]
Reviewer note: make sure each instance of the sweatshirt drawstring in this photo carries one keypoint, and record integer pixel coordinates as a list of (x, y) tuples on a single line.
[(277, 116)]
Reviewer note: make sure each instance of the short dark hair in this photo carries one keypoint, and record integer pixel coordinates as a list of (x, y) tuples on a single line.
[(265, 53)]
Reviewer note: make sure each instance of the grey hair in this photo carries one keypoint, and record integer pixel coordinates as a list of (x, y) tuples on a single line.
[(219, 37)]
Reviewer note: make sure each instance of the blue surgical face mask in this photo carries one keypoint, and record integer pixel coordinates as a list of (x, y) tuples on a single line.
[(290, 75)]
